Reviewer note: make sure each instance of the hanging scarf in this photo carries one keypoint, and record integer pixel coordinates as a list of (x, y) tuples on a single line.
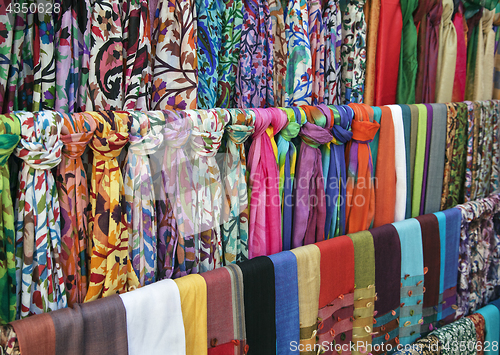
[(461, 66), (418, 171), (176, 246), (399, 163), (408, 63), (175, 64), (463, 332), (280, 50), (360, 192), (484, 70), (372, 10), (473, 122), (6, 37), (38, 233), (420, 18), (25, 81), (110, 267), (332, 21), (238, 305), (430, 118), (488, 112), (15, 66), (265, 211), (232, 23), (406, 110), (76, 133), (479, 325), (317, 41), (377, 116), (447, 57), (140, 196), (235, 204), (299, 67), (492, 324), (310, 202), (495, 162), (431, 62), (353, 52), (10, 130), (254, 79)]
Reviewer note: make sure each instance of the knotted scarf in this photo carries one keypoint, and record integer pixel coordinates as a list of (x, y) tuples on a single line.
[(76, 133), (110, 266), (10, 130), (176, 246), (310, 202), (372, 12), (360, 192), (235, 204), (265, 210), (140, 196), (317, 42), (40, 282), (332, 20), (408, 62), (447, 56)]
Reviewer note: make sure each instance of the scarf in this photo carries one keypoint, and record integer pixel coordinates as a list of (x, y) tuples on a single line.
[(176, 247), (485, 158), (420, 18), (377, 116), (310, 202), (332, 21), (237, 296), (484, 69), (431, 61), (299, 67), (430, 117), (462, 331), (492, 325), (277, 11), (353, 52), (360, 192), (407, 118), (408, 61), (140, 196), (10, 130), (372, 11), (110, 267), (235, 204), (174, 58), (265, 236), (495, 164), (447, 55), (480, 326), (461, 66), (317, 42), (154, 317), (38, 233), (400, 163), (36, 335), (473, 138), (76, 133), (418, 171), (413, 139)]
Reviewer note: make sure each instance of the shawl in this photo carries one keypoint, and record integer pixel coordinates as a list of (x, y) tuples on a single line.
[(174, 56), (235, 204), (229, 54), (430, 117), (299, 66), (431, 60), (408, 63), (447, 57), (434, 181), (254, 76), (353, 52), (480, 326), (454, 335), (388, 52), (309, 281), (280, 50), (176, 246), (387, 252), (336, 296), (332, 21), (372, 11), (105, 89), (237, 296), (260, 307), (317, 42), (38, 233), (36, 335), (474, 51), (488, 114), (400, 163), (10, 130), (407, 125), (420, 18), (377, 116), (69, 330), (385, 188), (412, 279), (484, 69), (206, 137), (154, 319), (76, 133), (287, 301), (418, 171), (310, 201), (360, 193), (193, 296), (461, 65), (110, 266), (492, 325), (264, 237)]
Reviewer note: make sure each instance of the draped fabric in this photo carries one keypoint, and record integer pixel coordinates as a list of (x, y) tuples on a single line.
[(484, 89), (10, 130), (462, 331), (36, 335), (430, 118), (332, 21), (299, 67), (418, 171), (38, 233), (407, 123), (495, 162), (76, 133), (174, 58), (431, 60), (317, 43), (360, 192), (8, 58), (473, 121), (492, 324), (420, 18), (461, 65), (310, 203), (400, 163), (238, 304), (235, 204), (372, 11), (280, 51), (353, 52), (140, 196), (479, 325), (110, 266), (447, 57)]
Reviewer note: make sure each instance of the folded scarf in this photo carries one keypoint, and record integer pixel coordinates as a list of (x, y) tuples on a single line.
[(492, 326), (69, 330), (453, 335), (36, 335)]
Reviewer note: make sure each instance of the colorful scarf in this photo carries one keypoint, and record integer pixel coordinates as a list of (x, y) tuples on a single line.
[(488, 112), (280, 51), (400, 163), (408, 62), (38, 233), (495, 159), (452, 336), (492, 325), (235, 204), (480, 326), (317, 41), (332, 21), (13, 44), (238, 305), (111, 270), (473, 139), (76, 133), (407, 118)]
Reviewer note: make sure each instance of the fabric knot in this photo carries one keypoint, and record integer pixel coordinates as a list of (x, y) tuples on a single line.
[(279, 119), (364, 131), (206, 143), (341, 135), (76, 133), (8, 142), (262, 122), (148, 144), (208, 129), (314, 135), (239, 133), (177, 129), (110, 147), (290, 131)]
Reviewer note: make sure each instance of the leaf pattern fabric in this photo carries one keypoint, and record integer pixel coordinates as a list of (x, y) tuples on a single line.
[(6, 40), (317, 43), (45, 65), (280, 51), (40, 282), (111, 270), (332, 21), (76, 132)]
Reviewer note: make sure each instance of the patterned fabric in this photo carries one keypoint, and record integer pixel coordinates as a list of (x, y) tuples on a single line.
[(140, 196), (110, 267), (332, 21), (6, 38), (44, 62), (480, 326), (353, 52), (175, 63), (235, 205), (15, 41), (473, 118), (317, 42), (40, 281), (495, 162), (485, 147), (280, 52), (8, 340), (76, 132), (457, 337)]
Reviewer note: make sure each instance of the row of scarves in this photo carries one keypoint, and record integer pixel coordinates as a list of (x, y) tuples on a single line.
[(380, 288), (154, 200)]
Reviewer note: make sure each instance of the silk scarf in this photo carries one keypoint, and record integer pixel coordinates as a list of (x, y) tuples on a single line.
[(418, 171), (280, 55), (461, 66), (332, 21), (484, 70), (447, 56), (372, 12), (408, 62), (317, 43), (407, 121)]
